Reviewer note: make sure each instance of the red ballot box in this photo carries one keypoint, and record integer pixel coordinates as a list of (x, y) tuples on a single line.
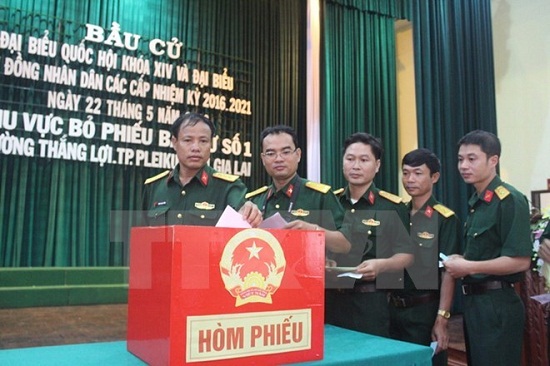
[(225, 296)]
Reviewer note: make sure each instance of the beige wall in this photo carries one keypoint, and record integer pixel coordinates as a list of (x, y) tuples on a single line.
[(521, 44), (406, 100)]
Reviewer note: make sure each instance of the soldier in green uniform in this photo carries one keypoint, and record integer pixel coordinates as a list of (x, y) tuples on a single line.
[(381, 246), (544, 253), (306, 205), (497, 249), (193, 193), (420, 312)]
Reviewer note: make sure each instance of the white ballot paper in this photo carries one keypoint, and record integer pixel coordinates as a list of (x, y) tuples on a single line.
[(231, 218), (345, 272), (433, 346), (443, 258), (542, 298)]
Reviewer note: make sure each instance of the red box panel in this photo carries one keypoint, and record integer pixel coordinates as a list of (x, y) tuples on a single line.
[(222, 296)]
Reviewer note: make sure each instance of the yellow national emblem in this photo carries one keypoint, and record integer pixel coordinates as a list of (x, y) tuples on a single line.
[(252, 266), (204, 205), (425, 235), (300, 212), (371, 222)]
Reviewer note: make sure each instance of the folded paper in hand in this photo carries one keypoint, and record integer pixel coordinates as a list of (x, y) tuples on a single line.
[(231, 218)]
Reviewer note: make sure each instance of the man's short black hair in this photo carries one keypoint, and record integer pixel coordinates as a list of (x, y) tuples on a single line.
[(421, 156), (367, 139), (487, 141), (275, 130), (190, 119)]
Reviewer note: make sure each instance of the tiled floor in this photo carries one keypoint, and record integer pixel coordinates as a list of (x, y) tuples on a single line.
[(33, 327), (47, 326)]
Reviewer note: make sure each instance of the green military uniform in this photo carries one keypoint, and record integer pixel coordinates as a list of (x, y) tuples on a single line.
[(200, 202), (378, 223), (300, 199), (494, 316), (546, 235), (413, 310)]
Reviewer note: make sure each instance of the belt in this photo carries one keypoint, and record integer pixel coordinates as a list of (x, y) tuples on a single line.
[(408, 301), (484, 287), (365, 287)]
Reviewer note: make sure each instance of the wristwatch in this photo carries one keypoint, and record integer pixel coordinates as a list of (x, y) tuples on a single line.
[(444, 313)]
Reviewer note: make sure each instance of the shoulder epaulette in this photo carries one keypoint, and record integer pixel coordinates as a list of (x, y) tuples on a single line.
[(338, 191), (320, 187), (256, 192), (157, 177), (390, 197), (502, 192), (226, 177), (444, 211)]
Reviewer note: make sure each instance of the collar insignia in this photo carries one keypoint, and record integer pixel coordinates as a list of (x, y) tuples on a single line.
[(204, 178), (371, 198), (488, 196), (289, 190), (428, 212)]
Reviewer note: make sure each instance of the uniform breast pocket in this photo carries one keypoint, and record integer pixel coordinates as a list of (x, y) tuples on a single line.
[(202, 217), (368, 234), (427, 250), (158, 216), (482, 243)]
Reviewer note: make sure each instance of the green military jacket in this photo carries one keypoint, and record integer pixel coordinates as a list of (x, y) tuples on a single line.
[(497, 225), (300, 199), (379, 225), (434, 229), (200, 202)]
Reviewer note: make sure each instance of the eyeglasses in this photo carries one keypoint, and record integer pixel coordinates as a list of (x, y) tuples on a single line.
[(272, 155)]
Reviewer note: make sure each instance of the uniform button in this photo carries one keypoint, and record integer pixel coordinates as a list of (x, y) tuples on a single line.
[(277, 206), (352, 210), (183, 193), (472, 210), (180, 216), (202, 216), (369, 232), (420, 244), (475, 234)]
